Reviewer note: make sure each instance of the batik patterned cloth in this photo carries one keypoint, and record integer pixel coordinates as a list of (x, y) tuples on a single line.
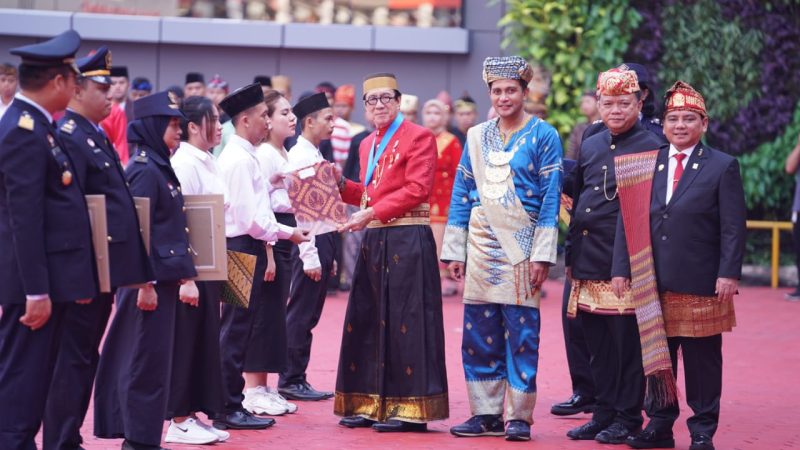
[(697, 316), (634, 175), (500, 354), (316, 199)]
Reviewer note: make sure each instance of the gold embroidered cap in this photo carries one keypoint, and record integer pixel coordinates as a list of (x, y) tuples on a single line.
[(380, 81), (617, 81), (683, 97)]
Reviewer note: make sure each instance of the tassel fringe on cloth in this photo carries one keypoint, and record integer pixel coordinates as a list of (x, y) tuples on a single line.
[(634, 175)]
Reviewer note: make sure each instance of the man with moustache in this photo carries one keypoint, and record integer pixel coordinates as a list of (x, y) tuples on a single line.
[(99, 171), (609, 322), (392, 373)]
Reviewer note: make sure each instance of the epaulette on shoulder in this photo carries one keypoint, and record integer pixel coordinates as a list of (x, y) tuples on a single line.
[(655, 120), (141, 157), (597, 121), (25, 121), (68, 126)]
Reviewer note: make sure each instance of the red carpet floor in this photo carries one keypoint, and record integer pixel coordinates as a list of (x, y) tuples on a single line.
[(761, 393)]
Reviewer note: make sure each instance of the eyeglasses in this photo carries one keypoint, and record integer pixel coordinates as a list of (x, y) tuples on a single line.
[(384, 98)]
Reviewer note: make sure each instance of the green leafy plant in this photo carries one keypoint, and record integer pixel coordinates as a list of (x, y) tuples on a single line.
[(714, 54), (574, 40), (768, 190)]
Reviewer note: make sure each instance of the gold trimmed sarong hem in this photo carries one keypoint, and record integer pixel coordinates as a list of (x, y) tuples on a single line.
[(408, 409), (597, 297)]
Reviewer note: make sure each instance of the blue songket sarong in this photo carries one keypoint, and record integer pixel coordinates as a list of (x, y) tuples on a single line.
[(503, 216)]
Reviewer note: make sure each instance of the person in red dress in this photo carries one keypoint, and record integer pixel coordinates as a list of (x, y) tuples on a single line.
[(434, 118)]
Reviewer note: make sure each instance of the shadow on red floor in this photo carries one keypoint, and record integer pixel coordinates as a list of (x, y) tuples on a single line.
[(759, 403)]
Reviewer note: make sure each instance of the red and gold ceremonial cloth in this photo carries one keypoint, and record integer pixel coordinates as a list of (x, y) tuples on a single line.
[(315, 197)]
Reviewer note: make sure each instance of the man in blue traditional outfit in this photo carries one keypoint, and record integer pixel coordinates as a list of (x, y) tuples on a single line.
[(502, 226)]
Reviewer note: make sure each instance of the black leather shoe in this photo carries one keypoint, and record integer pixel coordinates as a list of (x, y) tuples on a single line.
[(575, 405), (701, 442), (586, 432), (616, 433), (303, 392), (518, 430), (242, 420), (651, 439), (356, 422), (130, 445), (398, 426), (481, 425)]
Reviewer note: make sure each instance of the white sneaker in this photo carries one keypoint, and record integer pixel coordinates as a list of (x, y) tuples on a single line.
[(291, 408), (222, 435), (189, 432), (257, 401)]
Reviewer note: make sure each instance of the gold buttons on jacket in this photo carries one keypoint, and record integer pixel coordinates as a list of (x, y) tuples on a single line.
[(585, 232)]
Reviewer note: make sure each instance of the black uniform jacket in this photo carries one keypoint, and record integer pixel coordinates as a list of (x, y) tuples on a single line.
[(593, 225), (699, 235), (100, 172), (150, 175), (45, 238)]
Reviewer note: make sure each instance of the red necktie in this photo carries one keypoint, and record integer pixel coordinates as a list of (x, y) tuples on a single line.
[(678, 171)]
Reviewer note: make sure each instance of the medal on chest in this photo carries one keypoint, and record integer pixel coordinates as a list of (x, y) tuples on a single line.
[(364, 199)]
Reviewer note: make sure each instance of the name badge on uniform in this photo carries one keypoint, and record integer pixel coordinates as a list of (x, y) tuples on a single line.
[(695, 166), (90, 142), (172, 190)]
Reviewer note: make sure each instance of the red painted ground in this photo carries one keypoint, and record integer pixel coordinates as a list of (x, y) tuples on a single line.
[(760, 402)]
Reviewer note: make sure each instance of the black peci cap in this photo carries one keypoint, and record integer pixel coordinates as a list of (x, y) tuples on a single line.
[(242, 99), (263, 80), (194, 77), (119, 71), (310, 104)]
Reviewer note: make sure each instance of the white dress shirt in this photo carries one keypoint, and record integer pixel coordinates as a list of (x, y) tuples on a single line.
[(197, 171), (673, 164), (249, 211), (302, 155), (4, 107), (272, 162)]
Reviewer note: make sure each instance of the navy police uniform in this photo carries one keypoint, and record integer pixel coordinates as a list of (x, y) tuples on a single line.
[(46, 242), (132, 386), (99, 171)]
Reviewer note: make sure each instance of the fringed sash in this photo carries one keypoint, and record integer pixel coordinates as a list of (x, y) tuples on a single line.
[(634, 174)]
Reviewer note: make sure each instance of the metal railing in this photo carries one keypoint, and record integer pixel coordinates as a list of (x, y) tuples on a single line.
[(776, 228)]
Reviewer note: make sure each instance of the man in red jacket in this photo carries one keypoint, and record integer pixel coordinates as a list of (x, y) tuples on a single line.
[(392, 373)]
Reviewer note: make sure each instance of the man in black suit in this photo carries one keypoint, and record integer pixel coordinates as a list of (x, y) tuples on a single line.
[(608, 322), (47, 260), (99, 172), (697, 227)]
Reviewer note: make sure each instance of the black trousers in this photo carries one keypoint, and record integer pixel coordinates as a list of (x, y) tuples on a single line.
[(76, 365), (577, 350), (702, 367), (305, 309), (616, 363), (236, 325), (133, 376), (27, 361)]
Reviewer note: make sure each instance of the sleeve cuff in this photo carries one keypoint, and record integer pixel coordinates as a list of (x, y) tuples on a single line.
[(285, 231), (544, 245), (454, 244), (37, 297)]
